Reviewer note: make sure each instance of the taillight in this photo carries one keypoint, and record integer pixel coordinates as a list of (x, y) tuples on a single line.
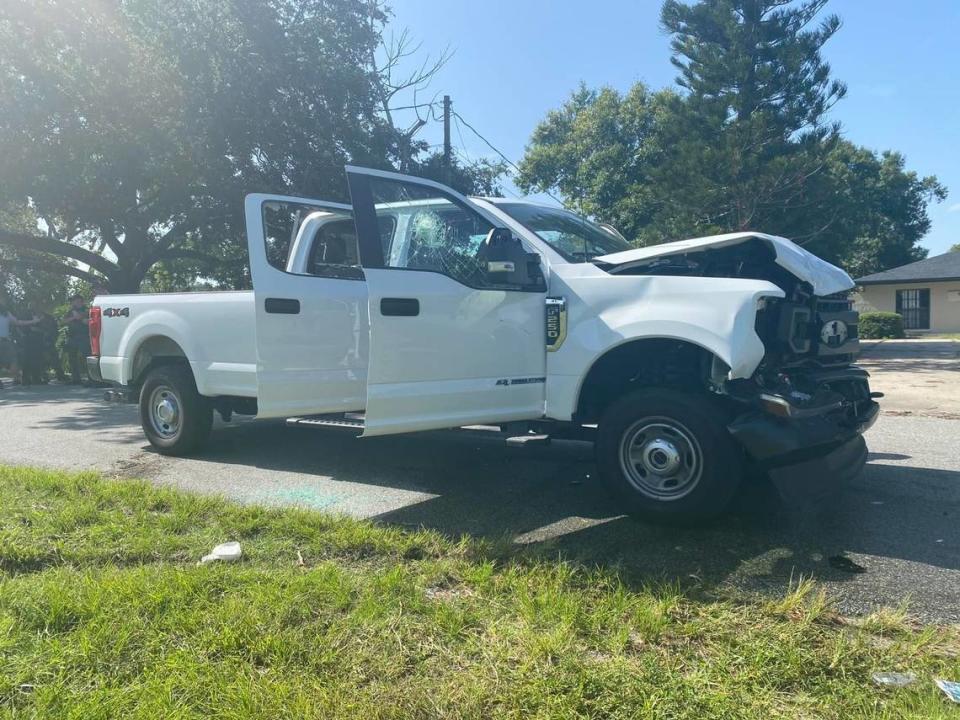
[(95, 325)]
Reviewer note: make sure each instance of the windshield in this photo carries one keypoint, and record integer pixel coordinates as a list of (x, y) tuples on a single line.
[(574, 237)]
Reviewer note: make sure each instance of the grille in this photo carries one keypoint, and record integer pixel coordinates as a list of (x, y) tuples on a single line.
[(839, 302), (833, 311)]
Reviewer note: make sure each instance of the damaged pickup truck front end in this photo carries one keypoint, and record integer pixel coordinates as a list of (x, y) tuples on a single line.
[(801, 413)]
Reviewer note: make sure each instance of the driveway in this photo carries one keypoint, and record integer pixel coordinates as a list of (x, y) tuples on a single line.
[(920, 378), (898, 521)]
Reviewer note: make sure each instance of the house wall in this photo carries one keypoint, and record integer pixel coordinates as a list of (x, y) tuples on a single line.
[(944, 313)]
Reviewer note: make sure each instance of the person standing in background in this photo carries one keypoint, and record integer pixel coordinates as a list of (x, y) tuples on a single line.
[(31, 350), (8, 351), (50, 330), (9, 355), (78, 338)]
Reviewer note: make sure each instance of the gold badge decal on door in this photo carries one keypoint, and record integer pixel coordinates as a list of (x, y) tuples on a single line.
[(556, 323)]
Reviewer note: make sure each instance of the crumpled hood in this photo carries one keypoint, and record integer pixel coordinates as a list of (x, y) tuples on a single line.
[(825, 278)]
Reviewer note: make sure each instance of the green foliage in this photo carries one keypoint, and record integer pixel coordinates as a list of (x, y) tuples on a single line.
[(880, 325), (136, 127), (605, 153), (28, 282), (745, 146), (871, 210), (480, 178), (104, 613), (758, 89)]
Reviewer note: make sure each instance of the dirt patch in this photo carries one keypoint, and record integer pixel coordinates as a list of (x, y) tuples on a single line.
[(144, 466)]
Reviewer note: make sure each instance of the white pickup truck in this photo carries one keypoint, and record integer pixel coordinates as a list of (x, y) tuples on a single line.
[(415, 308)]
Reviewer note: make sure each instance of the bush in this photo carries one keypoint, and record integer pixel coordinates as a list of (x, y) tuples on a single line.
[(881, 325)]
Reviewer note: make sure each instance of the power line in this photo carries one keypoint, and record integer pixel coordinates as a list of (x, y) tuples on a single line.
[(464, 156), (415, 106), (507, 160), (463, 144), (489, 144)]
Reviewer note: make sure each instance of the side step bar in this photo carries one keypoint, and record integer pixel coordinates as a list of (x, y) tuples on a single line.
[(514, 434), (348, 421)]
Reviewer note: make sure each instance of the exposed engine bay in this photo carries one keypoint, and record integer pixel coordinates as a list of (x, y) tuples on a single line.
[(800, 329), (810, 341)]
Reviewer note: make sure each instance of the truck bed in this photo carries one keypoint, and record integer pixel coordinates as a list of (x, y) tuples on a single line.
[(215, 330)]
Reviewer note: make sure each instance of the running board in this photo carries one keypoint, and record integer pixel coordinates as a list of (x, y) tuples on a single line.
[(350, 421), (513, 436)]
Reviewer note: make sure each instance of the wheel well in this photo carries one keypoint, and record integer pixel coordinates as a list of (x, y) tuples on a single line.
[(651, 362), (153, 352)]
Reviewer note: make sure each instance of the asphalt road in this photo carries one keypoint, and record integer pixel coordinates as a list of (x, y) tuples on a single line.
[(899, 520)]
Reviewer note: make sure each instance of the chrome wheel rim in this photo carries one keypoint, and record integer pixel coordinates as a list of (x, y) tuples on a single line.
[(661, 458), (166, 415)]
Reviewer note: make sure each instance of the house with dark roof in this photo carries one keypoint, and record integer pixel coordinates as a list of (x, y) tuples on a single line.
[(926, 293)]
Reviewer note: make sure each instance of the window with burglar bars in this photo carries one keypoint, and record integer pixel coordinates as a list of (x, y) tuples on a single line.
[(914, 306)]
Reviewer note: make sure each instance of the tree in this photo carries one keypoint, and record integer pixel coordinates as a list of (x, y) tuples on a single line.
[(481, 177), (605, 154), (758, 87), (873, 210), (745, 144), (954, 248), (132, 128), (27, 281)]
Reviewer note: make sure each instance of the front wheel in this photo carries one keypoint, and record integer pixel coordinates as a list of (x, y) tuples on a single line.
[(667, 456), (176, 419)]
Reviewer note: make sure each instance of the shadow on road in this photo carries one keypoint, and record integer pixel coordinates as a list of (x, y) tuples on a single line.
[(546, 503), (87, 411), (548, 499)]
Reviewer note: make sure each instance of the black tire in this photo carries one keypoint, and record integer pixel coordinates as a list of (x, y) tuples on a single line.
[(184, 424), (666, 456)]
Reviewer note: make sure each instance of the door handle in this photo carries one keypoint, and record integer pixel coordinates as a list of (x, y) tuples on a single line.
[(399, 307), (282, 306)]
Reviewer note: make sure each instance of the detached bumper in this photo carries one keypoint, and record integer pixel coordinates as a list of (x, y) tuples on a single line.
[(823, 476), (775, 441), (810, 456)]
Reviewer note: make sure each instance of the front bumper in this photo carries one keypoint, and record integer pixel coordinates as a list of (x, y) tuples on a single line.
[(820, 477), (774, 441), (807, 459)]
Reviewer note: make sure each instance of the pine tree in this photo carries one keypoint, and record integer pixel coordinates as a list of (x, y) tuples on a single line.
[(757, 85)]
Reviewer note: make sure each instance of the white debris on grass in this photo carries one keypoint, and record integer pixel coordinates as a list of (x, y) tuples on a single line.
[(894, 679), (226, 552)]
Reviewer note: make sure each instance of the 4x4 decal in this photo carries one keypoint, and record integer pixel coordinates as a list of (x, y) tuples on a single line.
[(116, 312)]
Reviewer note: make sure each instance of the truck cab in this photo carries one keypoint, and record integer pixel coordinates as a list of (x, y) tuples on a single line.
[(422, 309)]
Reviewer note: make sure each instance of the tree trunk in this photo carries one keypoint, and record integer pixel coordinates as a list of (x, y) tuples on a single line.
[(124, 281)]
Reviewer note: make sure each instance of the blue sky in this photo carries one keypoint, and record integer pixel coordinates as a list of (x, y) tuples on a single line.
[(514, 60)]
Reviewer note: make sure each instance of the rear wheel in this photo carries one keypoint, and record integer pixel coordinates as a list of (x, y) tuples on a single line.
[(176, 419), (667, 456)]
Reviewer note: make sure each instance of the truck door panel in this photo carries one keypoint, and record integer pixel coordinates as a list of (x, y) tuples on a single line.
[(447, 346), (311, 313)]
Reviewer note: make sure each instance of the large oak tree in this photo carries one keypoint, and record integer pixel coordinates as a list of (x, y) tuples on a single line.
[(133, 128)]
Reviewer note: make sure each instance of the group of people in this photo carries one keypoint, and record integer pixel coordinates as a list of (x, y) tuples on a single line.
[(28, 344)]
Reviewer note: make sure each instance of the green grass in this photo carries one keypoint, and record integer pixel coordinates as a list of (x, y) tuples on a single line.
[(104, 613)]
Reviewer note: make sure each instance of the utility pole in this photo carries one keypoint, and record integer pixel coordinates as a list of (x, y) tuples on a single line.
[(446, 139)]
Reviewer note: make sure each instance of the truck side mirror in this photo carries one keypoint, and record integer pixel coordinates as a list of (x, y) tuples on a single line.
[(508, 263)]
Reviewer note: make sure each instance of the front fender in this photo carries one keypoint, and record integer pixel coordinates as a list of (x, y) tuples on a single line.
[(606, 311)]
